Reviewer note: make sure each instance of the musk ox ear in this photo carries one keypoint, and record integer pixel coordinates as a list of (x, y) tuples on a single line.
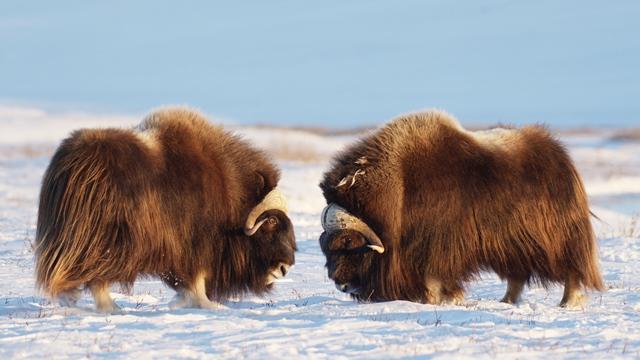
[(335, 217), (347, 182), (265, 181), (260, 183), (274, 200)]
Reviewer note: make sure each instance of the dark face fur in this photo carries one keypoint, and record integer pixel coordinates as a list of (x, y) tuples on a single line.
[(274, 246), (349, 259)]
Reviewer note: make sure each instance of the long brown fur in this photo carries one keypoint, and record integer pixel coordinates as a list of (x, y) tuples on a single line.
[(449, 204), (166, 199)]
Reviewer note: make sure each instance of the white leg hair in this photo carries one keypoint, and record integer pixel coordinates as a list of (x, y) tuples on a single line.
[(434, 290), (457, 298), (436, 295), (102, 298), (573, 296), (573, 299), (195, 297)]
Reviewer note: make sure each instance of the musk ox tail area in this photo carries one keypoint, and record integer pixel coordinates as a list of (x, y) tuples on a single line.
[(79, 226), (583, 257), (592, 278), (586, 256)]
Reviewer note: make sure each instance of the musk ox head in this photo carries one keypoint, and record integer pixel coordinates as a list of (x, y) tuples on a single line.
[(351, 248), (273, 240)]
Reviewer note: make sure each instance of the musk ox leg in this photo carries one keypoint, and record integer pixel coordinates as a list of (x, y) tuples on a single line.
[(438, 294), (70, 297), (573, 296), (102, 298), (194, 297), (514, 290), (434, 290), (455, 296)]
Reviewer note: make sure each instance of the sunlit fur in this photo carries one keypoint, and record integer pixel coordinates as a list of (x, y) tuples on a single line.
[(449, 203), (168, 199)]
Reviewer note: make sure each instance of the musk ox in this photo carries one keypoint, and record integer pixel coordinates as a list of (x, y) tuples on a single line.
[(176, 198), (422, 206)]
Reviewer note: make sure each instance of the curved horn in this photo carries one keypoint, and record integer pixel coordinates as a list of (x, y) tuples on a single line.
[(273, 201), (335, 217)]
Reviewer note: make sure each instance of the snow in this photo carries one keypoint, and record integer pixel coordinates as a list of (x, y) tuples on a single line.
[(305, 316)]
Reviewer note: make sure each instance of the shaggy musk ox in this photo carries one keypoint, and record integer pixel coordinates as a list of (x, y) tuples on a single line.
[(175, 198), (422, 206)]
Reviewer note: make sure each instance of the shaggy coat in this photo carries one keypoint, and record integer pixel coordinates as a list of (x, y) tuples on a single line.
[(448, 204), (168, 199)]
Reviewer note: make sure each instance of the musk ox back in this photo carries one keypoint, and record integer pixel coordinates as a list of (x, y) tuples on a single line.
[(422, 206), (176, 198)]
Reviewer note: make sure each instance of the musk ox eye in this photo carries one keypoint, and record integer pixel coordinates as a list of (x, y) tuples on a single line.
[(352, 242), (272, 220)]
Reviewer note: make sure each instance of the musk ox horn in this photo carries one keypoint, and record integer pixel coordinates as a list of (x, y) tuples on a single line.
[(335, 217), (273, 201)]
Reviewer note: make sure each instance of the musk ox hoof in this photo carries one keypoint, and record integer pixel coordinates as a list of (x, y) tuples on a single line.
[(511, 300), (104, 302), (577, 300), (180, 302), (457, 299), (184, 301), (208, 305), (437, 298), (508, 300), (514, 291), (69, 298), (109, 308), (454, 300)]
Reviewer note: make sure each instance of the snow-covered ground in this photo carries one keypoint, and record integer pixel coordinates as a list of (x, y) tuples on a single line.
[(305, 316)]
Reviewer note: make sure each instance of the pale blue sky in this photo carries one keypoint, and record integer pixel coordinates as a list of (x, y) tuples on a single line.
[(329, 63)]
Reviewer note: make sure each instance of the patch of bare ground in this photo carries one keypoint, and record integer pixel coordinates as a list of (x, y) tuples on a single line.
[(319, 130), (294, 152), (627, 135), (26, 151)]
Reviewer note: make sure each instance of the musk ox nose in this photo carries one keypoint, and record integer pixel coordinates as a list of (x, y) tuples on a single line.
[(348, 288), (281, 270), (278, 273)]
